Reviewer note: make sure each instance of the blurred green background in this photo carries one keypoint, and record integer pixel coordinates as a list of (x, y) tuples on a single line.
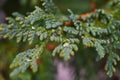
[(77, 6)]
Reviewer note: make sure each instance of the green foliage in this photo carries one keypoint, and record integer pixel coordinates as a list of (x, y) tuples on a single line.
[(66, 50), (101, 30), (25, 59), (112, 60)]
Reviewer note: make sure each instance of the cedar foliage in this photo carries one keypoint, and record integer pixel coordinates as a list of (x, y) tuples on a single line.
[(99, 30)]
